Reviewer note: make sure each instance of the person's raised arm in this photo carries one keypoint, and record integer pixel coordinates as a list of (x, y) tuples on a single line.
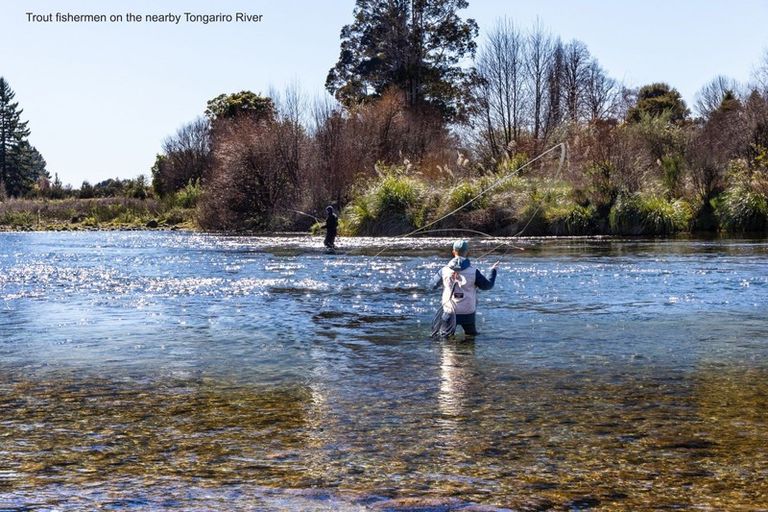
[(436, 280), (482, 282)]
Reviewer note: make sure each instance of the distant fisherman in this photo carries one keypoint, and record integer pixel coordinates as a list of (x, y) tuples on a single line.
[(331, 225), (460, 282)]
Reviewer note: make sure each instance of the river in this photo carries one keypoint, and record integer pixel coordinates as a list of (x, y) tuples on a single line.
[(180, 371)]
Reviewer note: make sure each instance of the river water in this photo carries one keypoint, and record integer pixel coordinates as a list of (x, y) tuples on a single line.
[(176, 371)]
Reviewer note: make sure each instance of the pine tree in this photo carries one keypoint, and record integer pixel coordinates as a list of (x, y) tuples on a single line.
[(657, 99), (415, 46), (20, 163)]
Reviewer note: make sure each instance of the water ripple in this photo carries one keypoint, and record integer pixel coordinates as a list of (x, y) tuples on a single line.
[(201, 372)]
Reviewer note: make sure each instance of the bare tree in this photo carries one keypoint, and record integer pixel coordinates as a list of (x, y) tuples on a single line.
[(756, 117), (575, 75), (257, 164), (710, 97), (186, 157), (725, 135), (501, 95), (335, 160), (529, 84), (554, 89), (761, 74), (347, 143), (292, 139), (602, 94), (291, 104), (625, 100), (537, 66)]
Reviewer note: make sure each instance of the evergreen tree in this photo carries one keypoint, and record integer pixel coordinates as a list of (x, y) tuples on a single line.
[(226, 106), (26, 166), (415, 46), (658, 99), (20, 163)]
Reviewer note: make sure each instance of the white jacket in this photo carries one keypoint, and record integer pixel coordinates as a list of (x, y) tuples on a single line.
[(459, 290)]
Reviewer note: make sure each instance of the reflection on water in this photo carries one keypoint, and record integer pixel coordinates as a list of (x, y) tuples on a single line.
[(183, 372)]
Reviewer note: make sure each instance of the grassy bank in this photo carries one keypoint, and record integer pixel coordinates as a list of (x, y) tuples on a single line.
[(74, 214), (399, 202)]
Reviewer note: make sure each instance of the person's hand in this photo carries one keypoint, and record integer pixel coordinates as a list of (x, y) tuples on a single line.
[(495, 265)]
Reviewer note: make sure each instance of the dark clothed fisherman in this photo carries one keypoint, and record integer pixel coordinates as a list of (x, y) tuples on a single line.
[(460, 282), (331, 225)]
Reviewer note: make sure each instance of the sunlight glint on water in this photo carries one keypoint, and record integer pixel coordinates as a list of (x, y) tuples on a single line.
[(194, 372)]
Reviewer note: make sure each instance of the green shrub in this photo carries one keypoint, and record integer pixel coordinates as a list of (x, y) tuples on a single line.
[(188, 196), (741, 210), (601, 190), (658, 216), (510, 184), (548, 208), (357, 218), (388, 207), (395, 194), (90, 222), (684, 214), (119, 211), (127, 217), (672, 173), (426, 209), (513, 164), (531, 215), (55, 214), (21, 218), (626, 216), (463, 193), (650, 215), (315, 228), (571, 219), (101, 212), (176, 216)]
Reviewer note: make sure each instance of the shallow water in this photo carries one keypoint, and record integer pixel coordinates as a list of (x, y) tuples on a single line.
[(143, 371)]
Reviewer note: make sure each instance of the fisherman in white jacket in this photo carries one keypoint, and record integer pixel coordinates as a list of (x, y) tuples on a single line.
[(460, 282)]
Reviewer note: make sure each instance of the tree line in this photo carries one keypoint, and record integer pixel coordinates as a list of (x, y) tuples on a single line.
[(407, 103), (417, 98)]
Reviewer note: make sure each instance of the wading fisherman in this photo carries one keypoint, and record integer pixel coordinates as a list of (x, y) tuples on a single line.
[(460, 282), (331, 224)]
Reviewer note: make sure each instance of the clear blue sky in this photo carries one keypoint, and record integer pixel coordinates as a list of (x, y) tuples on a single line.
[(100, 98)]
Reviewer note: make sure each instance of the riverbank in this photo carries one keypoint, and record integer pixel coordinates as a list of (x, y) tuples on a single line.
[(94, 214), (506, 204), (395, 205)]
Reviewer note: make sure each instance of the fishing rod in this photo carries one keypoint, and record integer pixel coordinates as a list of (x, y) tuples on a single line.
[(473, 231), (563, 147), (563, 152), (493, 185), (304, 214), (443, 324)]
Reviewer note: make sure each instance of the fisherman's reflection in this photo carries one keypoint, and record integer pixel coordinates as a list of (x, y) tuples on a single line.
[(457, 378)]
